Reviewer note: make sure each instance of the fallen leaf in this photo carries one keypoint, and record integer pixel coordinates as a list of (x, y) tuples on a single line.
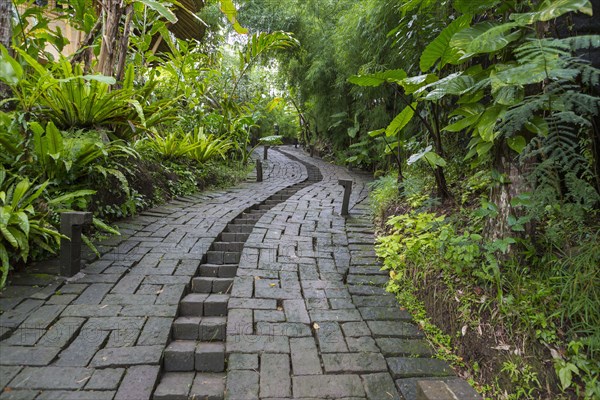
[(316, 326), (504, 347), (464, 330), (272, 284), (104, 306)]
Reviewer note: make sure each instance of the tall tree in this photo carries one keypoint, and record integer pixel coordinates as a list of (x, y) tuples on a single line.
[(5, 35)]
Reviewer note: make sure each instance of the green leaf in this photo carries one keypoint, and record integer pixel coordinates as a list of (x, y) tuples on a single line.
[(509, 95), (485, 37), (417, 156), (54, 139), (70, 196), (19, 192), (160, 8), (517, 143), (376, 133), (109, 80), (551, 9), (538, 125), (414, 83), (434, 159), (228, 8), (401, 120), (11, 71), (378, 78), (440, 49), (462, 124), (474, 7), (98, 223)]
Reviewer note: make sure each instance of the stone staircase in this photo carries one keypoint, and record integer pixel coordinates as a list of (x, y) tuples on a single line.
[(194, 363)]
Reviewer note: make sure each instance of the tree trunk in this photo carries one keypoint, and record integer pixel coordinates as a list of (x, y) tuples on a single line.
[(124, 43), (112, 11), (502, 194), (5, 37)]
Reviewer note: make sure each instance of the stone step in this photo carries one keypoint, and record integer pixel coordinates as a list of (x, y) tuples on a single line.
[(208, 284), (190, 385), (280, 197), (223, 257), (233, 237), (189, 355), (218, 270), (244, 221), (228, 246), (203, 304), (206, 329), (239, 228), (252, 216)]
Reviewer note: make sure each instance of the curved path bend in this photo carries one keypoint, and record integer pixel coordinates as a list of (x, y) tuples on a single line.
[(260, 291)]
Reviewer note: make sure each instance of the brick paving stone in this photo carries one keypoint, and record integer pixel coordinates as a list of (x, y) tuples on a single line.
[(380, 386), (138, 383), (394, 329), (93, 294), (243, 361), (19, 395), (105, 379), (87, 310), (295, 311), (384, 314), (7, 373), (275, 375), (83, 348), (128, 284), (305, 356), (269, 316), (404, 347), (342, 315), (25, 355), (210, 357), (76, 395), (51, 378), (353, 362), (355, 329), (402, 367), (362, 344), (257, 344), (289, 329), (208, 386), (126, 356), (327, 386), (174, 386), (156, 331), (330, 337), (242, 385), (179, 356), (155, 310)]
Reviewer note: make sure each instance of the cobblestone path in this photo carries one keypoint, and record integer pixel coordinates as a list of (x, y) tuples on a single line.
[(260, 291)]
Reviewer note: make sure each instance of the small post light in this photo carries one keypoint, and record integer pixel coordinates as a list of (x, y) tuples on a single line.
[(347, 184), (259, 171), (71, 225)]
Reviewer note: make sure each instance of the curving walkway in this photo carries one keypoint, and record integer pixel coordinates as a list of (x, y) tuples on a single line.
[(265, 281)]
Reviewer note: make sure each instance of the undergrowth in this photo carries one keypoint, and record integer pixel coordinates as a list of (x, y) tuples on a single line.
[(529, 305)]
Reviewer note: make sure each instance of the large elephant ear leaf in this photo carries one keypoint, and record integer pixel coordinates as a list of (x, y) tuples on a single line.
[(551, 9), (486, 37), (472, 7), (440, 49), (378, 78)]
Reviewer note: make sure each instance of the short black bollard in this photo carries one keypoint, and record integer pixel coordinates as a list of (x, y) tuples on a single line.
[(266, 150), (71, 225), (259, 171), (347, 184)]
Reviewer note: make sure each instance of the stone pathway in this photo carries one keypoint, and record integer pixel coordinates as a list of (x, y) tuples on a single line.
[(260, 291)]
